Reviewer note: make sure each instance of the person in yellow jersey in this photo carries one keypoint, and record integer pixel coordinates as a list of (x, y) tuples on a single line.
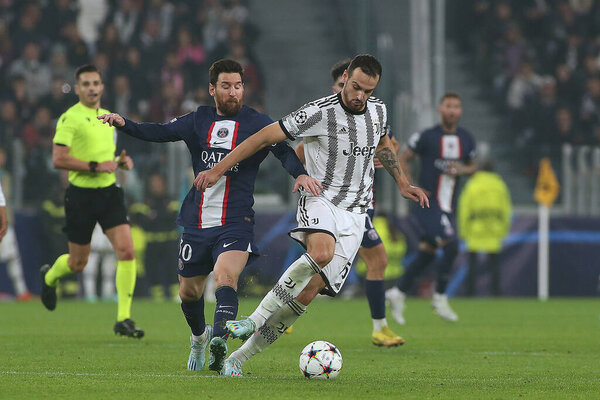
[(86, 148), (484, 214)]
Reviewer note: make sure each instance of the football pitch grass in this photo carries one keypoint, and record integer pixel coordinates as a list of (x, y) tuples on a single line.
[(499, 349)]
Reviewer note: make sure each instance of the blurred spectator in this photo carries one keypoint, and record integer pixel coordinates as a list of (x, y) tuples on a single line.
[(190, 54), (60, 12), (10, 125), (77, 51), (28, 28), (214, 26), (39, 132), (164, 12), (126, 19), (122, 100), (110, 43), (59, 64), (36, 73), (590, 105), (172, 72)]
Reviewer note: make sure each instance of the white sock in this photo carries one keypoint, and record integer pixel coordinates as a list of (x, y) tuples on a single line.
[(379, 324), (15, 271), (292, 282), (109, 267), (270, 331), (89, 275)]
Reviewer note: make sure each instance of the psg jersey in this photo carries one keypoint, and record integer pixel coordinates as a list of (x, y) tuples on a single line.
[(436, 149)]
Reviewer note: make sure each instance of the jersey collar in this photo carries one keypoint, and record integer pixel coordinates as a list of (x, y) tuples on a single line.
[(364, 110)]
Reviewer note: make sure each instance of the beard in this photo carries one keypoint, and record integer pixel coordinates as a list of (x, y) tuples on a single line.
[(230, 107)]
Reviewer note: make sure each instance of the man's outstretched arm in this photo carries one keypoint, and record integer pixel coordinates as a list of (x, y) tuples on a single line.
[(267, 136)]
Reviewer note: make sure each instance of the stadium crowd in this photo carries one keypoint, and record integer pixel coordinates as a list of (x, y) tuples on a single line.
[(540, 61), (153, 55)]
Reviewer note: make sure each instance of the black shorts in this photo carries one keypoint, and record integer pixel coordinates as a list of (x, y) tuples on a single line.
[(84, 207)]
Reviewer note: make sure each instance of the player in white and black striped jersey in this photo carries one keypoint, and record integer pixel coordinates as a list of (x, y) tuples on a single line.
[(372, 250), (342, 134)]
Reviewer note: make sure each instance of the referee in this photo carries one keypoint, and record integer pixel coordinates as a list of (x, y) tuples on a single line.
[(86, 148)]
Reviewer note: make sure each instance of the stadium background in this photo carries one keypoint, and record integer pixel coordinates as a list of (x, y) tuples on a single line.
[(528, 72)]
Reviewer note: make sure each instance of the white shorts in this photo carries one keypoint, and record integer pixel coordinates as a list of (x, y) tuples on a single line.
[(9, 248), (316, 214)]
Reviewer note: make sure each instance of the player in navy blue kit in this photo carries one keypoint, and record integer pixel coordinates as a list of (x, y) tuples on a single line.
[(446, 151), (218, 223)]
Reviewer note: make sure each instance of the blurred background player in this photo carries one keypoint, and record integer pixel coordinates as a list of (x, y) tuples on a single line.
[(484, 214), (218, 224), (372, 250), (86, 148), (446, 151), (9, 249), (101, 255)]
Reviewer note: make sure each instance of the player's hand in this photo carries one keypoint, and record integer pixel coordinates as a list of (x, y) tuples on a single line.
[(113, 119), (3, 222), (206, 179), (125, 162), (307, 183), (415, 194), (377, 163), (107, 166), (454, 168)]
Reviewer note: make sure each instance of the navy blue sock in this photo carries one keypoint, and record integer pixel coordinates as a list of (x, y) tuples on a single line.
[(415, 268), (227, 308), (375, 291), (194, 315), (450, 251)]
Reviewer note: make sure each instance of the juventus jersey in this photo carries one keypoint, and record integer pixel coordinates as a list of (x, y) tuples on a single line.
[(339, 146), (210, 137), (435, 149)]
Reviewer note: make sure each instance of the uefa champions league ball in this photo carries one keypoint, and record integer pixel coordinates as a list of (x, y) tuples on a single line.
[(320, 360)]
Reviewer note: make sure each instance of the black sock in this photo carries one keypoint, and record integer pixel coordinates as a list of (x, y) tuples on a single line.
[(414, 269), (375, 291), (450, 253), (227, 308), (194, 315)]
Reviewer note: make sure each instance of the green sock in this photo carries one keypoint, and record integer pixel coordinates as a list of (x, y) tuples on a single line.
[(125, 282), (59, 269)]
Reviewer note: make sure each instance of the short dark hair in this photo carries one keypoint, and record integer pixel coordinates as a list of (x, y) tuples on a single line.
[(449, 95), (224, 66), (367, 63), (86, 68), (338, 68)]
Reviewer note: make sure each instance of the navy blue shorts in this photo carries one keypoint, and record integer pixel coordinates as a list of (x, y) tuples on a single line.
[(199, 250), (371, 237), (436, 225)]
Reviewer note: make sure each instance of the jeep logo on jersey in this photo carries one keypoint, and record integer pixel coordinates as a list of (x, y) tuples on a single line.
[(355, 150), (300, 117), (223, 132)]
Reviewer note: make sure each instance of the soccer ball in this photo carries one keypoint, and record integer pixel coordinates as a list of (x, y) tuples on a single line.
[(320, 360)]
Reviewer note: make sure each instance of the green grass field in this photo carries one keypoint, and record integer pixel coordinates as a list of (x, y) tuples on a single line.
[(500, 349)]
